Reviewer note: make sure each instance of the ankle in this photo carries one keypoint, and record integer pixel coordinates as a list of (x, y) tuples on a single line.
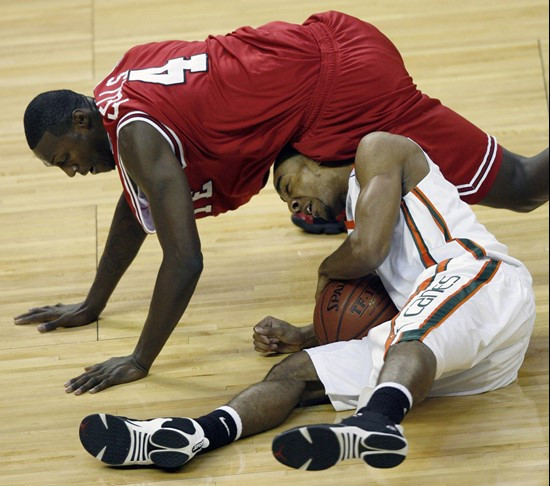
[(221, 427), (391, 400)]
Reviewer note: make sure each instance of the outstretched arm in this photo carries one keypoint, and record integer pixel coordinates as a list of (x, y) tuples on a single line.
[(152, 165), (123, 243)]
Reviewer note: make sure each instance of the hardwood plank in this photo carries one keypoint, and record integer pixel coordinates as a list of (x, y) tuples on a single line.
[(488, 61)]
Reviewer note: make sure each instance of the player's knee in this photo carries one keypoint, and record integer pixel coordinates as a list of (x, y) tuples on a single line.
[(419, 352), (277, 372), (296, 367), (285, 370)]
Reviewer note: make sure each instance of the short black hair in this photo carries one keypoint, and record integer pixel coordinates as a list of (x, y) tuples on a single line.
[(51, 111), (287, 152)]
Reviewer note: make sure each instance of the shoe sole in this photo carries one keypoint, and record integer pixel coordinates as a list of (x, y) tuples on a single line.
[(109, 439), (319, 447)]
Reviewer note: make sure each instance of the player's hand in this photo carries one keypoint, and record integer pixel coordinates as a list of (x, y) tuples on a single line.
[(272, 335), (50, 317), (114, 371), (322, 282)]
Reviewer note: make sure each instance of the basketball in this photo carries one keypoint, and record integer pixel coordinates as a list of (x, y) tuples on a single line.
[(348, 309)]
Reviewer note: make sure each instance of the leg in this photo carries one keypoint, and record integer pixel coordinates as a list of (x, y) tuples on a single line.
[(521, 183), (171, 442), (373, 434), (373, 437), (411, 364), (268, 403)]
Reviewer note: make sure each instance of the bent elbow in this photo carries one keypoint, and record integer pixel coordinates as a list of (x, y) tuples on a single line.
[(371, 256), (194, 265), (186, 268)]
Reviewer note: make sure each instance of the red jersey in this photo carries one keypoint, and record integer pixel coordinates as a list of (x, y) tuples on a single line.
[(229, 104)]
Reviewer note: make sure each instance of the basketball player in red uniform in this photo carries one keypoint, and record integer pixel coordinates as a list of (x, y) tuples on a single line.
[(222, 110)]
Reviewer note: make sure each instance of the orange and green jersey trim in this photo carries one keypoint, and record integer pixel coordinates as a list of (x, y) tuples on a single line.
[(421, 246), (427, 260), (441, 266), (453, 302)]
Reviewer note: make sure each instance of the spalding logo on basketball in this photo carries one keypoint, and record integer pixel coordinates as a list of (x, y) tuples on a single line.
[(348, 309)]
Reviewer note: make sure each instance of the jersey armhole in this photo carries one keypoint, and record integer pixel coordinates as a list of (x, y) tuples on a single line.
[(168, 134)]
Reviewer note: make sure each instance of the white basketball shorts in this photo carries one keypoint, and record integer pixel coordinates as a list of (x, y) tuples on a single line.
[(476, 315)]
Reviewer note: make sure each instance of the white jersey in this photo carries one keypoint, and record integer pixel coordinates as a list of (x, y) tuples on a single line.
[(457, 291), (434, 225)]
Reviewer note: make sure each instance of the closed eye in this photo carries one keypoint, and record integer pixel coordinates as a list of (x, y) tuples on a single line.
[(286, 194), (63, 162)]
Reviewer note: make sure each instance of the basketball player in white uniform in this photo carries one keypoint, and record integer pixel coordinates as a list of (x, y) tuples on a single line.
[(466, 315), (466, 307)]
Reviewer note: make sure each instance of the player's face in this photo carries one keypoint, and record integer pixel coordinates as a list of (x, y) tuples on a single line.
[(76, 152), (310, 188)]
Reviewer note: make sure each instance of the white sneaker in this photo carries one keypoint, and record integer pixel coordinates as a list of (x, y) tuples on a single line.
[(369, 436), (120, 441)]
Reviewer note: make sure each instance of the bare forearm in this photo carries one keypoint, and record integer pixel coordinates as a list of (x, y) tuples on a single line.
[(123, 243), (173, 290), (310, 339), (349, 261)]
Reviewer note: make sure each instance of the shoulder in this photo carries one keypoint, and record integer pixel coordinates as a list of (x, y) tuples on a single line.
[(139, 140), (381, 143), (383, 153)]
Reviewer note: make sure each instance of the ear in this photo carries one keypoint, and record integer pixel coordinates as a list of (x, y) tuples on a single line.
[(82, 118)]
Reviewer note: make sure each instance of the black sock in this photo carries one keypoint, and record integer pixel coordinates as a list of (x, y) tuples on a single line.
[(391, 399), (221, 427)]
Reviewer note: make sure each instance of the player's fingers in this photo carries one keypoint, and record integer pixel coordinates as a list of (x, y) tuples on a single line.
[(262, 328), (277, 330), (92, 368), (54, 321), (268, 325), (34, 310), (66, 320), (41, 314), (23, 318), (102, 385), (261, 338), (89, 384), (265, 348), (261, 347), (49, 326), (80, 381), (74, 383)]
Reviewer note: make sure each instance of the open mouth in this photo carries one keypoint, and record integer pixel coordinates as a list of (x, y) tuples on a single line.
[(308, 208)]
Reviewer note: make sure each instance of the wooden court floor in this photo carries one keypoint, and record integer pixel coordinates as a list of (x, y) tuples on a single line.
[(487, 60)]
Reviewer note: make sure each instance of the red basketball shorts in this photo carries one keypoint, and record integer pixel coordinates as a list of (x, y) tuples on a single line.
[(364, 87)]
